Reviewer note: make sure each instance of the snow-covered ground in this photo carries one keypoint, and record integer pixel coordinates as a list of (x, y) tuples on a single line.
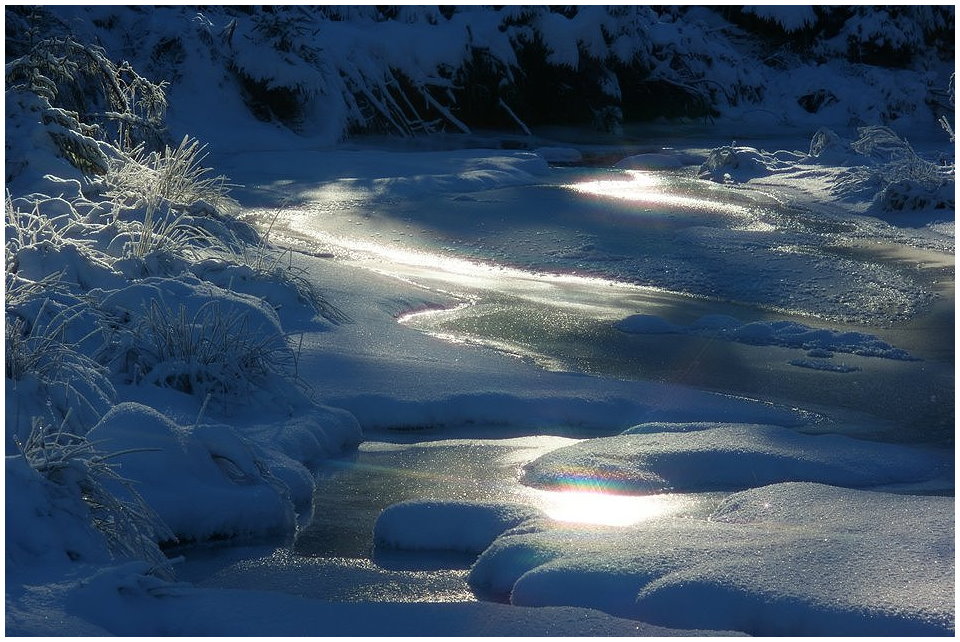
[(700, 382)]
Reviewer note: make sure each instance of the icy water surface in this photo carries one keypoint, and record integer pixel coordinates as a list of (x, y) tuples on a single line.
[(545, 271)]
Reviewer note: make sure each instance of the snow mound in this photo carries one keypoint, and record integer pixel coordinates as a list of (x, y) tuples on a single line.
[(785, 334), (732, 164), (447, 525), (729, 457), (787, 559), (231, 492)]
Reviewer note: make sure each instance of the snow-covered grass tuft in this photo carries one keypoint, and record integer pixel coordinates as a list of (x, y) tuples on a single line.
[(176, 175), (40, 359), (163, 188), (213, 353)]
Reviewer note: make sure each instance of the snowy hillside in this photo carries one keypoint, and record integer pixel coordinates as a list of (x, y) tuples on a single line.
[(488, 256), (328, 72)]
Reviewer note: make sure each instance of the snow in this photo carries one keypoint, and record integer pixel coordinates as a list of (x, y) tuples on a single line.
[(122, 601), (50, 530), (786, 559), (195, 392), (220, 471)]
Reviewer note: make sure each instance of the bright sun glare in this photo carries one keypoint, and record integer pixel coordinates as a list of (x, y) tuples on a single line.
[(650, 189), (605, 509)]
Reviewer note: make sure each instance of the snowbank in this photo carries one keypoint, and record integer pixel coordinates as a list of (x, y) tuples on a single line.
[(447, 526), (51, 527), (729, 457), (787, 559)]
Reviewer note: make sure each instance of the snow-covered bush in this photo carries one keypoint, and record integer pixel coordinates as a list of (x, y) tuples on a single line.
[(885, 36)]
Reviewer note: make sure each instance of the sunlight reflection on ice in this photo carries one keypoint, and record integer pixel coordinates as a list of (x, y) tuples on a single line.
[(606, 509), (651, 189), (451, 269)]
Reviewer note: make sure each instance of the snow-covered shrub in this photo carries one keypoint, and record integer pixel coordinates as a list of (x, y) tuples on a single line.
[(85, 484), (884, 36), (113, 99), (892, 36)]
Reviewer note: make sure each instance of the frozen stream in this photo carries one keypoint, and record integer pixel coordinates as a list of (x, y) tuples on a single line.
[(543, 272)]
